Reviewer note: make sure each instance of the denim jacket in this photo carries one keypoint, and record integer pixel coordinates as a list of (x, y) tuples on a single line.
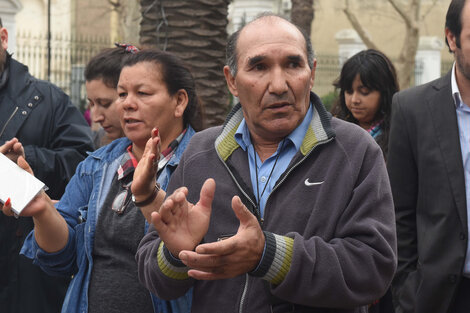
[(84, 197)]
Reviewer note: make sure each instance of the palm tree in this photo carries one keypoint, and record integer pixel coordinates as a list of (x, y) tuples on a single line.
[(195, 30), (302, 14)]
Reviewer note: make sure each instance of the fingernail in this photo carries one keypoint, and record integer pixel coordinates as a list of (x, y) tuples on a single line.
[(155, 132), (7, 202)]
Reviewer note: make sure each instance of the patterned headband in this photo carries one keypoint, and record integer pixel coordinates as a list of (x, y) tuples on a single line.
[(129, 48)]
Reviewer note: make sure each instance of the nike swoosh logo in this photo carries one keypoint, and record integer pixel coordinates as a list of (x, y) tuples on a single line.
[(307, 183)]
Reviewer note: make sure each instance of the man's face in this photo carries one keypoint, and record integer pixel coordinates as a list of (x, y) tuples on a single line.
[(462, 54), (274, 79)]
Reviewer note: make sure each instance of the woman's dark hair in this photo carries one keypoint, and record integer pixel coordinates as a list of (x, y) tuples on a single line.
[(106, 65), (376, 72), (176, 76)]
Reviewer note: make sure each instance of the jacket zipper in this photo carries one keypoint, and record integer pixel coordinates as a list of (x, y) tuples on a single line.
[(8, 121), (242, 300), (261, 220), (257, 214)]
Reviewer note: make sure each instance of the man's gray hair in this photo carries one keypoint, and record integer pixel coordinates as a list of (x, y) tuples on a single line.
[(231, 50)]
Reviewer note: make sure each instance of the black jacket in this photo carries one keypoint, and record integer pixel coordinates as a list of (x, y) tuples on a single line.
[(56, 138)]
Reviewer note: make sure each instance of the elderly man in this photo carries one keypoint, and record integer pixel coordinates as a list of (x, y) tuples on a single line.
[(311, 227), (54, 137)]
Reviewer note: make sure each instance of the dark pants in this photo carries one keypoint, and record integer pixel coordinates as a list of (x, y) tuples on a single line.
[(462, 297)]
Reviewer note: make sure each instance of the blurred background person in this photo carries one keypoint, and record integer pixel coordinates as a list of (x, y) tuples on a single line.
[(366, 84), (101, 79), (53, 137)]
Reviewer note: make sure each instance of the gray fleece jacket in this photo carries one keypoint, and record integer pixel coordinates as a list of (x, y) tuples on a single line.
[(329, 223)]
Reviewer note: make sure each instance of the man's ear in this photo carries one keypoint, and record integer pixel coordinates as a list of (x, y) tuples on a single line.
[(181, 102), (312, 73), (4, 37), (451, 40), (232, 86)]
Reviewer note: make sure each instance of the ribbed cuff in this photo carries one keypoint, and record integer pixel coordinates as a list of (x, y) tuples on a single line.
[(169, 265), (277, 259)]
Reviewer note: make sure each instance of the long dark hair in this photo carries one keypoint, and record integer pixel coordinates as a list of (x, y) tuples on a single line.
[(176, 76), (376, 72)]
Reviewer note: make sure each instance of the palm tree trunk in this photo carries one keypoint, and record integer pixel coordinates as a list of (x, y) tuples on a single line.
[(302, 14), (195, 30)]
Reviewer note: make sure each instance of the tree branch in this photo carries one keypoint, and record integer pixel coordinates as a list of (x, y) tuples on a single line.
[(115, 4), (401, 11), (431, 6), (358, 27)]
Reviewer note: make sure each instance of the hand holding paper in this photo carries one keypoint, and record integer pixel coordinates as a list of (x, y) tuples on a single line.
[(17, 184), (50, 228)]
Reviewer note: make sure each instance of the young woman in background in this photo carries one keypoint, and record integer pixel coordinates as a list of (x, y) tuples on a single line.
[(366, 86)]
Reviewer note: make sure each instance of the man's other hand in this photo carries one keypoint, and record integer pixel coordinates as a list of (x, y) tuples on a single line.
[(230, 257), (182, 225)]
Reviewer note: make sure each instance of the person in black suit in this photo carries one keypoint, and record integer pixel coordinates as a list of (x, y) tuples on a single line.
[(38, 122), (429, 168)]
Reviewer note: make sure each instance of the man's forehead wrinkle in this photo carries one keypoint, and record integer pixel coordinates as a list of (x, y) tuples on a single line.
[(267, 24)]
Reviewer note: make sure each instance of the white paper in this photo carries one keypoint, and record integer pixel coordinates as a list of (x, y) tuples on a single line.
[(17, 184)]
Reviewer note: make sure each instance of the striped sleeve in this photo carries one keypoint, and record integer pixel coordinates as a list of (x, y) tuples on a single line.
[(169, 265), (277, 258)]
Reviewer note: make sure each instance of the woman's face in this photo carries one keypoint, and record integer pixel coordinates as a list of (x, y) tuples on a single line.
[(103, 107), (145, 103), (362, 102)]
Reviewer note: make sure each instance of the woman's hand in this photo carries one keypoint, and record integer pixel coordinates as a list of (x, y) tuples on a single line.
[(38, 205), (145, 173), (145, 176), (50, 228)]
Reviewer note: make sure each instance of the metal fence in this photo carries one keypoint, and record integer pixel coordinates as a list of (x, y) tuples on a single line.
[(69, 55), (328, 69)]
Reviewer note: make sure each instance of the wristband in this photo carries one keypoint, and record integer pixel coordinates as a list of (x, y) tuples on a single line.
[(149, 199)]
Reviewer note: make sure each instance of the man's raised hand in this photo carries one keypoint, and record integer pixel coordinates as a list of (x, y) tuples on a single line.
[(182, 225)]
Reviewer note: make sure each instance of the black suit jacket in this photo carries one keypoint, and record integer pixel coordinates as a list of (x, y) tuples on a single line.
[(428, 185)]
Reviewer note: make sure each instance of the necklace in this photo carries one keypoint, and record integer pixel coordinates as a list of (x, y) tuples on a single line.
[(269, 177)]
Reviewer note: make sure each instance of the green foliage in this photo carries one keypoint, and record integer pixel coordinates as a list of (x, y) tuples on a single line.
[(329, 99)]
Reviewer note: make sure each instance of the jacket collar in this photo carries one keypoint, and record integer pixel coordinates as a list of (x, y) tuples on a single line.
[(117, 147), (319, 130), (441, 107), (174, 161), (19, 80)]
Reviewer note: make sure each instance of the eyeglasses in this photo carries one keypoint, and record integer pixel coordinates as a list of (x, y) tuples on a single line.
[(122, 199)]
